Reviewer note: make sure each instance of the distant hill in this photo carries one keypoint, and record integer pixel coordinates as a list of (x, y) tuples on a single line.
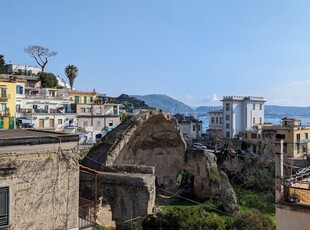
[(286, 111), (165, 103), (130, 103)]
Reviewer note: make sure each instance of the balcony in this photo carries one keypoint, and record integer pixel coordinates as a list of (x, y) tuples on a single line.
[(44, 111), (5, 114), (302, 141), (4, 97)]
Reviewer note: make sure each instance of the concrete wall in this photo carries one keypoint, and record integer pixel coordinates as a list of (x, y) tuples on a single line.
[(290, 218), (44, 187)]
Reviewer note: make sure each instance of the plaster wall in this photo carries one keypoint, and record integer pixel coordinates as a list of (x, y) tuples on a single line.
[(44, 188)]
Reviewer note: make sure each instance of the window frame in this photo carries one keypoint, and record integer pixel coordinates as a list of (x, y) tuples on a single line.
[(6, 189)]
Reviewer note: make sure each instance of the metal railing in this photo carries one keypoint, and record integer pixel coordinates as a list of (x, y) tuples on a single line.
[(87, 215)]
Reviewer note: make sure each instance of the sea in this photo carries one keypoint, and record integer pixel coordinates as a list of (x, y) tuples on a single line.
[(274, 120)]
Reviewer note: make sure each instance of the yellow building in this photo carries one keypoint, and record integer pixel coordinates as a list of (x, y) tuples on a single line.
[(78, 97), (296, 137), (7, 103)]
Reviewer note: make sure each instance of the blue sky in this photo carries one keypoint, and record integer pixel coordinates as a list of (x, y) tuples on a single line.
[(194, 51)]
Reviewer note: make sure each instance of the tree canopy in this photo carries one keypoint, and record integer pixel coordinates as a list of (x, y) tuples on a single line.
[(71, 71), (40, 55), (2, 63), (48, 80)]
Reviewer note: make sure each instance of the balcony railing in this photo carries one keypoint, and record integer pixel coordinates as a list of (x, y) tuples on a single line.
[(43, 111), (303, 140), (5, 96), (47, 97)]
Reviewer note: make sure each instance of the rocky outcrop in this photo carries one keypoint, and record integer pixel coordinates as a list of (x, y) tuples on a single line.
[(228, 195), (154, 139)]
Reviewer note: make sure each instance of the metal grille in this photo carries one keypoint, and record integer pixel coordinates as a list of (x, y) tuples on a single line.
[(86, 213)]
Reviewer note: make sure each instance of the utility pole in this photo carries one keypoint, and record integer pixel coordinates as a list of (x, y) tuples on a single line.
[(279, 172)]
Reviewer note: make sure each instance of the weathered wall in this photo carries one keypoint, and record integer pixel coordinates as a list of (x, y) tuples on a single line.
[(44, 189), (154, 139), (129, 190)]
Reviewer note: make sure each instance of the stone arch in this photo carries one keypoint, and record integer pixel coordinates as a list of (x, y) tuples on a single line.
[(185, 183)]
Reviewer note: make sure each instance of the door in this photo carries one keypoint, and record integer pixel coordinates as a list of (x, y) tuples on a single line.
[(41, 123), (52, 123)]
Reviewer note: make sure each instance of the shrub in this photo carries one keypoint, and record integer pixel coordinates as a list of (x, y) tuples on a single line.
[(252, 220), (184, 219)]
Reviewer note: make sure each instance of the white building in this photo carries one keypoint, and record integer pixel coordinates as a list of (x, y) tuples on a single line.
[(241, 113), (22, 69), (47, 108), (191, 129), (216, 119)]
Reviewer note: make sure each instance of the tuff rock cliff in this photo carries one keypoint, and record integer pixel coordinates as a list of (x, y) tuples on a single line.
[(154, 139)]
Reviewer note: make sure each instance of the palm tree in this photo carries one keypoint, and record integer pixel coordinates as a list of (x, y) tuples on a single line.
[(71, 72)]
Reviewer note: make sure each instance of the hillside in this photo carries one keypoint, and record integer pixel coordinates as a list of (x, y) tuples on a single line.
[(286, 111), (130, 103), (165, 103)]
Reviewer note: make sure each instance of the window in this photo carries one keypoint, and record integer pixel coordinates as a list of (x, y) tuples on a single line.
[(298, 136), (217, 120), (4, 206), (82, 110), (35, 106), (98, 123), (3, 92), (227, 117), (18, 108), (246, 135), (91, 99), (253, 120), (19, 89), (227, 106), (59, 121), (306, 135), (298, 147), (2, 107), (212, 120), (227, 125), (110, 123), (254, 106), (227, 134), (221, 120), (85, 99), (253, 135), (261, 120), (88, 110), (98, 111), (260, 106), (76, 99), (85, 123), (194, 128)]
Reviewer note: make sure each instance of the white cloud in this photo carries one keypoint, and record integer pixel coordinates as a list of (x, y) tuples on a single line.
[(295, 93), (210, 100)]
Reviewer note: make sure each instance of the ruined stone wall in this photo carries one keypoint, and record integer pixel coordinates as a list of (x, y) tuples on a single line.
[(44, 188), (130, 191)]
